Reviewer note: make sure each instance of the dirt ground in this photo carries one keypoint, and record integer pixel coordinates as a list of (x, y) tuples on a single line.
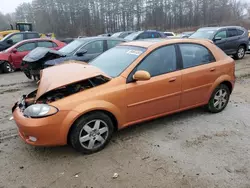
[(186, 150)]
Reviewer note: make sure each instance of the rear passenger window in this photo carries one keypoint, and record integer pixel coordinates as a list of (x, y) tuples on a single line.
[(160, 61), (240, 32), (195, 55), (232, 32), (46, 44), (155, 35), (32, 35)]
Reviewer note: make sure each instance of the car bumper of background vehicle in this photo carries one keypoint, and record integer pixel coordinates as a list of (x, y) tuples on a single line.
[(48, 131)]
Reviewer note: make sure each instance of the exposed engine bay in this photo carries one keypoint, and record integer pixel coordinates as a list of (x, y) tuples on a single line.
[(65, 91)]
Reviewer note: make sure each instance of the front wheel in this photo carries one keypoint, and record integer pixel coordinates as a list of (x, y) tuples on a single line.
[(7, 67), (219, 99), (91, 133), (240, 53)]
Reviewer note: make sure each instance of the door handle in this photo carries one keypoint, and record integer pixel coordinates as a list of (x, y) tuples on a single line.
[(212, 69), (172, 79)]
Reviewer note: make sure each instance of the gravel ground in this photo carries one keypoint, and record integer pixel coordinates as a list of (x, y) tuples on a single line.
[(189, 149)]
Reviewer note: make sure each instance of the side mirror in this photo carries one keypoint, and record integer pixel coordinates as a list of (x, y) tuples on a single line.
[(141, 75), (14, 50), (9, 41), (217, 38), (81, 52)]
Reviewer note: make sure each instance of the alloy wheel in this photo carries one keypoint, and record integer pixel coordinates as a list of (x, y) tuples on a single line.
[(220, 99), (241, 53), (93, 134)]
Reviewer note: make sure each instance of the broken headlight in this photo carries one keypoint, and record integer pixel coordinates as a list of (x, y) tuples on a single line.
[(40, 110)]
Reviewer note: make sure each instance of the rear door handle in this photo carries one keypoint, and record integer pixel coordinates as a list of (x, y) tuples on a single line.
[(172, 79), (212, 69)]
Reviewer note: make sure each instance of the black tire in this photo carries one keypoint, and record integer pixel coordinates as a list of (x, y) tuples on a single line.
[(217, 103), (240, 53), (7, 67), (78, 130)]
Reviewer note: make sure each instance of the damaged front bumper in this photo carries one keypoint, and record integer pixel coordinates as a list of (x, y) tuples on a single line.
[(47, 131)]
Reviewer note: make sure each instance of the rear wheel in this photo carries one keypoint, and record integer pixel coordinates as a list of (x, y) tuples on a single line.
[(7, 67), (91, 133), (219, 99), (240, 53)]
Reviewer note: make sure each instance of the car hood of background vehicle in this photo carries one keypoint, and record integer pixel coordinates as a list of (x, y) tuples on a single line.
[(65, 74), (40, 53)]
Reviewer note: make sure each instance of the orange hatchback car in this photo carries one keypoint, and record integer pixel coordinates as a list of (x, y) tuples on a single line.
[(83, 104)]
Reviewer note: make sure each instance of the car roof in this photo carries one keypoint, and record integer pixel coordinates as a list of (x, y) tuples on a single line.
[(159, 42), (31, 40), (223, 27), (24, 32), (88, 39)]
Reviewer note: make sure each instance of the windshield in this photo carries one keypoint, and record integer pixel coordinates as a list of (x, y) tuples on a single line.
[(116, 34), (71, 47), (132, 36), (204, 34), (113, 66)]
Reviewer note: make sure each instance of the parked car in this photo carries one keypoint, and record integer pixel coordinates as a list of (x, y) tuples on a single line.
[(233, 40), (82, 49), (145, 35), (13, 38), (169, 34), (83, 104), (11, 58), (122, 34)]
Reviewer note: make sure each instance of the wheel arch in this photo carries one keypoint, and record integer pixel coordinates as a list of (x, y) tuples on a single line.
[(225, 79), (245, 46), (108, 113)]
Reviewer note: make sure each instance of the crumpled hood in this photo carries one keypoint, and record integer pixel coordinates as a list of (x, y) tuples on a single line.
[(40, 53), (65, 74)]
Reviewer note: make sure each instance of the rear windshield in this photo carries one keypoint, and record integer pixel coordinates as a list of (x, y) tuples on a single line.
[(113, 66)]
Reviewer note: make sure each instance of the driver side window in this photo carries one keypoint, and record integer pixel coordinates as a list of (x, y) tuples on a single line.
[(160, 61), (94, 47), (221, 34), (26, 47)]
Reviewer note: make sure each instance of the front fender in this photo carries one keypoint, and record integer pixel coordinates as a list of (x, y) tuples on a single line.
[(4, 57), (100, 105), (223, 78)]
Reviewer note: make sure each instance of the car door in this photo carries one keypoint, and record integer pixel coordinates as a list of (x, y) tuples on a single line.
[(22, 51), (220, 39), (93, 49), (232, 40), (160, 94), (198, 74)]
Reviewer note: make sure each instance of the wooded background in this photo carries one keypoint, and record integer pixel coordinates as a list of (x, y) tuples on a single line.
[(70, 18)]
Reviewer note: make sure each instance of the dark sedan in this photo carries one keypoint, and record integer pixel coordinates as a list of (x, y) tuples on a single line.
[(82, 49)]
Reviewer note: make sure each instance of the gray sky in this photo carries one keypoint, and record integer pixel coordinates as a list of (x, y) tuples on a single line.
[(8, 6)]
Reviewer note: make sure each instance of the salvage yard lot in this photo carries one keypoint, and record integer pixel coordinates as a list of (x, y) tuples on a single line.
[(189, 149)]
